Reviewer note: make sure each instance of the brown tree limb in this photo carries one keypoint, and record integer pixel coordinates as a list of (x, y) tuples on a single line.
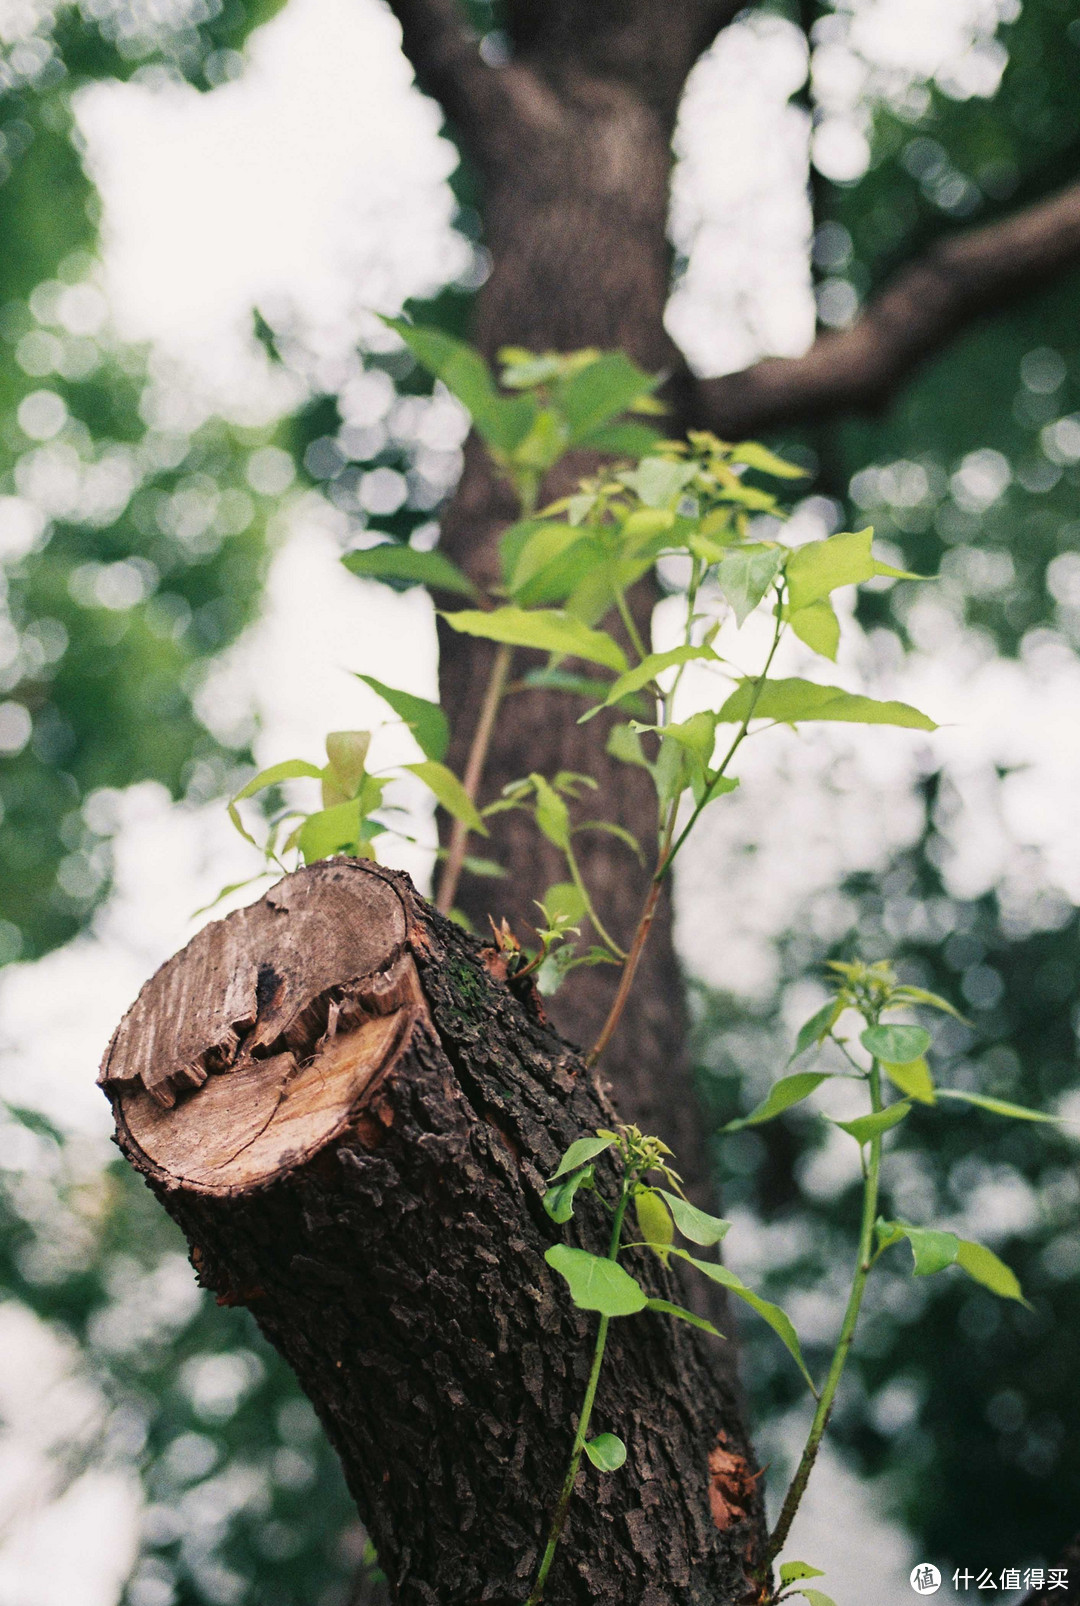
[(349, 1111), (926, 304)]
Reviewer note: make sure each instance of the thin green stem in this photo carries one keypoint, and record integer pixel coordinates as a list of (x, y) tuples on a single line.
[(575, 872), (865, 1260), (631, 628), (474, 771), (558, 1521)]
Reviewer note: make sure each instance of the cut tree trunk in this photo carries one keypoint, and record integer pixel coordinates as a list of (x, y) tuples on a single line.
[(349, 1111)]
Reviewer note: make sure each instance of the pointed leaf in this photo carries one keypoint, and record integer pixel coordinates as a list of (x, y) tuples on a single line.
[(292, 769), (932, 1249), (624, 743), (790, 1571), (580, 1152), (552, 815), (621, 440), (596, 1283), (982, 1101), (777, 1319), (429, 724), (329, 831), (745, 574), (646, 671), (601, 392), (449, 792), (867, 1127), (606, 1452), (897, 1044), (759, 458), (545, 542), (818, 1027), (789, 701), (654, 1221), (919, 995), (693, 1223), (818, 626), (347, 752), (783, 1094), (559, 1198), (665, 1307), (503, 421), (983, 1266), (547, 629), (392, 561), (816, 1597), (659, 480), (819, 567), (564, 901), (913, 1079)]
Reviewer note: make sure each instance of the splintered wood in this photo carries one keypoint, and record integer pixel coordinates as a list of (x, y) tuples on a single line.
[(249, 1051)]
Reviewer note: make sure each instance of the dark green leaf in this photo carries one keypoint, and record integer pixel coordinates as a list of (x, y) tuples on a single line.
[(596, 1283), (621, 440), (580, 1152), (596, 394), (607, 1452), (897, 1044), (548, 629), (790, 701), (818, 1027), (932, 1249), (559, 1198), (429, 724), (783, 1094), (393, 562)]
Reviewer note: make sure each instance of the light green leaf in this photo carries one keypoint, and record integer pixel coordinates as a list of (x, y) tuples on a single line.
[(745, 574), (392, 561), (790, 701), (695, 1224), (347, 753), (449, 792), (291, 769), (552, 815), (866, 1127), (658, 480), (601, 392), (818, 1027), (897, 1044), (654, 1221), (547, 629), (429, 724), (919, 995), (646, 671), (913, 1079), (760, 458), (666, 1308), (816, 1597), (983, 1266), (982, 1101), (596, 1283), (777, 1319), (624, 743), (580, 1152), (818, 626), (610, 828), (697, 735), (819, 567), (783, 1094), (563, 900), (790, 1571), (489, 868), (559, 1198), (330, 831), (621, 440), (607, 1452), (546, 542), (503, 421), (932, 1249)]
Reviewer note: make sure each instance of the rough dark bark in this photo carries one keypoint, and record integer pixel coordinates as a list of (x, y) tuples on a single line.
[(350, 1114)]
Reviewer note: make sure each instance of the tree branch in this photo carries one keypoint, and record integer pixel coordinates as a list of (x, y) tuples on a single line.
[(927, 302), (445, 54)]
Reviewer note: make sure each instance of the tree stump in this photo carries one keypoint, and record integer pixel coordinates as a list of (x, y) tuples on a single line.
[(350, 1112)]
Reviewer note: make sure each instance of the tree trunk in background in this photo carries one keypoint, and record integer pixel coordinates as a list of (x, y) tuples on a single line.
[(350, 1114)]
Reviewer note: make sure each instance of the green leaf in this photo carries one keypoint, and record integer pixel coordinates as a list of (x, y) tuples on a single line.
[(816, 1597), (449, 792), (658, 480), (932, 1249), (580, 1152), (489, 868), (818, 1027), (819, 567), (552, 815), (611, 829), (897, 1044), (429, 724), (866, 1127), (777, 1319), (654, 1221), (347, 753), (745, 574), (329, 831), (503, 421), (818, 626), (606, 1452), (983, 1266), (763, 461), (783, 1094), (624, 743), (789, 701), (693, 1223), (913, 1079), (290, 769), (666, 1308), (646, 671), (596, 1283), (697, 735), (982, 1101), (547, 629), (546, 542), (919, 995), (563, 900), (790, 1571), (621, 440), (559, 1198), (392, 561), (602, 391)]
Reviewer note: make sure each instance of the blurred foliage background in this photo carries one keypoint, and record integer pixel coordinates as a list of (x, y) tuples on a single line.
[(135, 534)]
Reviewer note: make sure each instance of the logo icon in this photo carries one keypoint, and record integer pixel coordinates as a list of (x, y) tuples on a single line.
[(925, 1579)]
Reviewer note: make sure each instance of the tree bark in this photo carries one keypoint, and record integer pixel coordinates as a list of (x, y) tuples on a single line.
[(349, 1111)]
